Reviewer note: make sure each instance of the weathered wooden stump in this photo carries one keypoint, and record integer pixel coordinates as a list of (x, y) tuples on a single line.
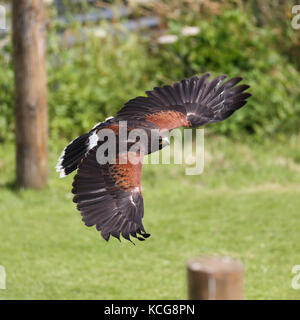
[(215, 278)]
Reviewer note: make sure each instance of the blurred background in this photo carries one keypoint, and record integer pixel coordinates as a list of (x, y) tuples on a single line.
[(245, 204)]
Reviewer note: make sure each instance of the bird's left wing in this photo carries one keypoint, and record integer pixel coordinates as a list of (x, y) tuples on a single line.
[(191, 102), (109, 196)]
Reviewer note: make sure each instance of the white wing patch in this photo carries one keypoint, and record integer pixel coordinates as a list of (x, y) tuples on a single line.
[(93, 140), (59, 167)]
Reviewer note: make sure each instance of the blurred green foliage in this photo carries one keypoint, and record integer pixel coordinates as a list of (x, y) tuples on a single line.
[(6, 96), (231, 43), (91, 79)]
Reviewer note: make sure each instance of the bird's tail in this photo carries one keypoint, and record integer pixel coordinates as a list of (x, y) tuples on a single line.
[(72, 154)]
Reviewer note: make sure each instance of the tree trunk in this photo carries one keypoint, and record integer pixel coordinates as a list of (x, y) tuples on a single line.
[(30, 93)]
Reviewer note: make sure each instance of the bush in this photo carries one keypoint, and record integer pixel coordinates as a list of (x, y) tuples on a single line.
[(6, 96), (92, 81), (233, 44)]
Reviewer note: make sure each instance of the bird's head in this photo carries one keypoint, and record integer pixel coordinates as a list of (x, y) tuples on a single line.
[(163, 142), (157, 142)]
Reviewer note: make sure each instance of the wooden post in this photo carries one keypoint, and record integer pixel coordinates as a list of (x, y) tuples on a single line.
[(215, 278), (30, 92)]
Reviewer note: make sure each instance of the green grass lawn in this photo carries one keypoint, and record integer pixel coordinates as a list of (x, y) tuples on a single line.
[(245, 204)]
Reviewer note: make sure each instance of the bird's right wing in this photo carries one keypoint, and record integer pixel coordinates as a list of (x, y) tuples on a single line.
[(109, 195)]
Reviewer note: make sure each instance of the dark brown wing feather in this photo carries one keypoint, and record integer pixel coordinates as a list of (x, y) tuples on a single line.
[(109, 196), (192, 102)]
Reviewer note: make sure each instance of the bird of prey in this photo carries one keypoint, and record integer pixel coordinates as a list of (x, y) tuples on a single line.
[(108, 195)]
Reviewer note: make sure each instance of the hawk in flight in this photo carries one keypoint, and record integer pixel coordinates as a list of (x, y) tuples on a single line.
[(108, 195)]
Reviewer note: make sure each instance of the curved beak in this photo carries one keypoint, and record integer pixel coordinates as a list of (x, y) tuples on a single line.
[(165, 142)]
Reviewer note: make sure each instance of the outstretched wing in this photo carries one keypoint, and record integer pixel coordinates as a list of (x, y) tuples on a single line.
[(109, 196), (192, 102)]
